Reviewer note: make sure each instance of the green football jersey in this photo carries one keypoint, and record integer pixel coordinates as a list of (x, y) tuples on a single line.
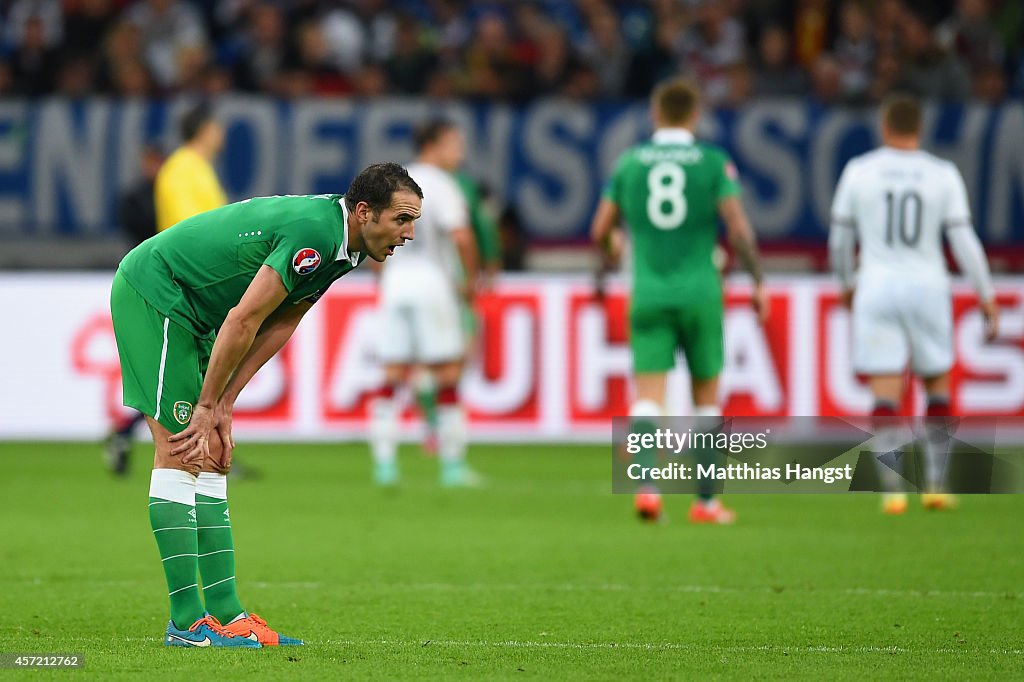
[(196, 271), (668, 191)]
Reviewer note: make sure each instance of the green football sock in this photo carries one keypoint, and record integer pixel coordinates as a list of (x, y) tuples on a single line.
[(426, 398), (216, 547), (708, 420), (172, 514)]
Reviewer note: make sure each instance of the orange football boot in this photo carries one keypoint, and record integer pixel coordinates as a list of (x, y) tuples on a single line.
[(255, 628), (711, 512)]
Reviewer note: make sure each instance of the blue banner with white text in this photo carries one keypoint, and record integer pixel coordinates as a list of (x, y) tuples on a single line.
[(63, 164)]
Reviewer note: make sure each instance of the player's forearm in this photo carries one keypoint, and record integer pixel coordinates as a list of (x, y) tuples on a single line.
[(268, 342), (234, 340), (466, 246), (840, 253), (970, 257), (745, 245)]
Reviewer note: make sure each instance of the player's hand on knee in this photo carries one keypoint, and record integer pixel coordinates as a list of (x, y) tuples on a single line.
[(846, 298), (224, 426)]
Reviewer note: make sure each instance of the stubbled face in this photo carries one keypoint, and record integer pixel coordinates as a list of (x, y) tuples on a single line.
[(389, 230)]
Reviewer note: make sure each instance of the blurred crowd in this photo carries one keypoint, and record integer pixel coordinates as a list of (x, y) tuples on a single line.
[(835, 51)]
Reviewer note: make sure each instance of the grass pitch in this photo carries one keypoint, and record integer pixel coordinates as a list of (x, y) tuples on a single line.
[(542, 574)]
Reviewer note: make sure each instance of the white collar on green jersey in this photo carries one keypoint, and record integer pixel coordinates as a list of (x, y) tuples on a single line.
[(343, 253), (672, 136)]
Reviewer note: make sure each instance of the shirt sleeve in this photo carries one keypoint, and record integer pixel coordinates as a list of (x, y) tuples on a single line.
[(729, 181), (958, 207), (450, 208), (842, 203), (296, 258)]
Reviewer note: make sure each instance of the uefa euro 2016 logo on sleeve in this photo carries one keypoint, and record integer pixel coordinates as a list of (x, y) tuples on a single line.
[(305, 261)]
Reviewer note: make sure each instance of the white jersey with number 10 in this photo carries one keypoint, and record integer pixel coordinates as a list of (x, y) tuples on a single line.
[(899, 202)]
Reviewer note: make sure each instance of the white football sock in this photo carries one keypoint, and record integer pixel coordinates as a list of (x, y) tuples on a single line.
[(451, 433), (384, 431)]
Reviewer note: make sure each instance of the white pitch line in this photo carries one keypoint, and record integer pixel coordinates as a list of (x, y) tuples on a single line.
[(640, 646), (665, 646), (618, 587)]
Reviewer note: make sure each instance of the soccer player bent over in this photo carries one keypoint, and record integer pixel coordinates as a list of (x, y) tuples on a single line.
[(898, 201), (197, 310), (419, 308), (670, 192)]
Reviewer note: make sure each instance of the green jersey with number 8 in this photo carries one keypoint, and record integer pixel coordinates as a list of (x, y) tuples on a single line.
[(668, 191)]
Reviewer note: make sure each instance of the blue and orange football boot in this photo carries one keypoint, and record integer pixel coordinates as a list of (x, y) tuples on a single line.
[(252, 628), (207, 631)]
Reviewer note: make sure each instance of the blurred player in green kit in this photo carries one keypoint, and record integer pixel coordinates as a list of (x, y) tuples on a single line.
[(670, 192)]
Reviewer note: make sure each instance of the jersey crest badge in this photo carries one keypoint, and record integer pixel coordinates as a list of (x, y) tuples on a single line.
[(183, 412), (305, 261)]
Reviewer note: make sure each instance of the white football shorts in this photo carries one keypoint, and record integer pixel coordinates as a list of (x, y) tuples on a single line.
[(896, 323), (418, 317)]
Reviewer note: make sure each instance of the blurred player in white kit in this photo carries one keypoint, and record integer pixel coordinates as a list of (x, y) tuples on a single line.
[(898, 201), (419, 308)]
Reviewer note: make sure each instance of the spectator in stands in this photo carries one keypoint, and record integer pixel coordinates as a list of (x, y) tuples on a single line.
[(193, 66), (777, 75), (263, 52), (492, 67), (711, 47), (810, 31), (653, 60), (930, 71), (131, 79), (360, 33), (827, 80), (452, 28), (605, 52), (555, 61), (409, 66), (122, 47), (740, 79), (371, 81), (855, 50), (887, 22), (971, 34), (6, 81), (34, 64), (886, 75), (46, 13), (989, 83), (313, 71), (136, 208), (76, 77), (85, 21), (167, 28)]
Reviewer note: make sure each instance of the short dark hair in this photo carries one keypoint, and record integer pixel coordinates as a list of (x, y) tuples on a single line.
[(376, 184), (430, 132), (676, 100), (901, 114), (194, 120)]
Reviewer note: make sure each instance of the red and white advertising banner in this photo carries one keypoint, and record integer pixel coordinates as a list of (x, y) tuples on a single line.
[(551, 363)]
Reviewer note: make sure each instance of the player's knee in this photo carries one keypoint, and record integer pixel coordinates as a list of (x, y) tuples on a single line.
[(163, 459), (214, 462), (447, 374)]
